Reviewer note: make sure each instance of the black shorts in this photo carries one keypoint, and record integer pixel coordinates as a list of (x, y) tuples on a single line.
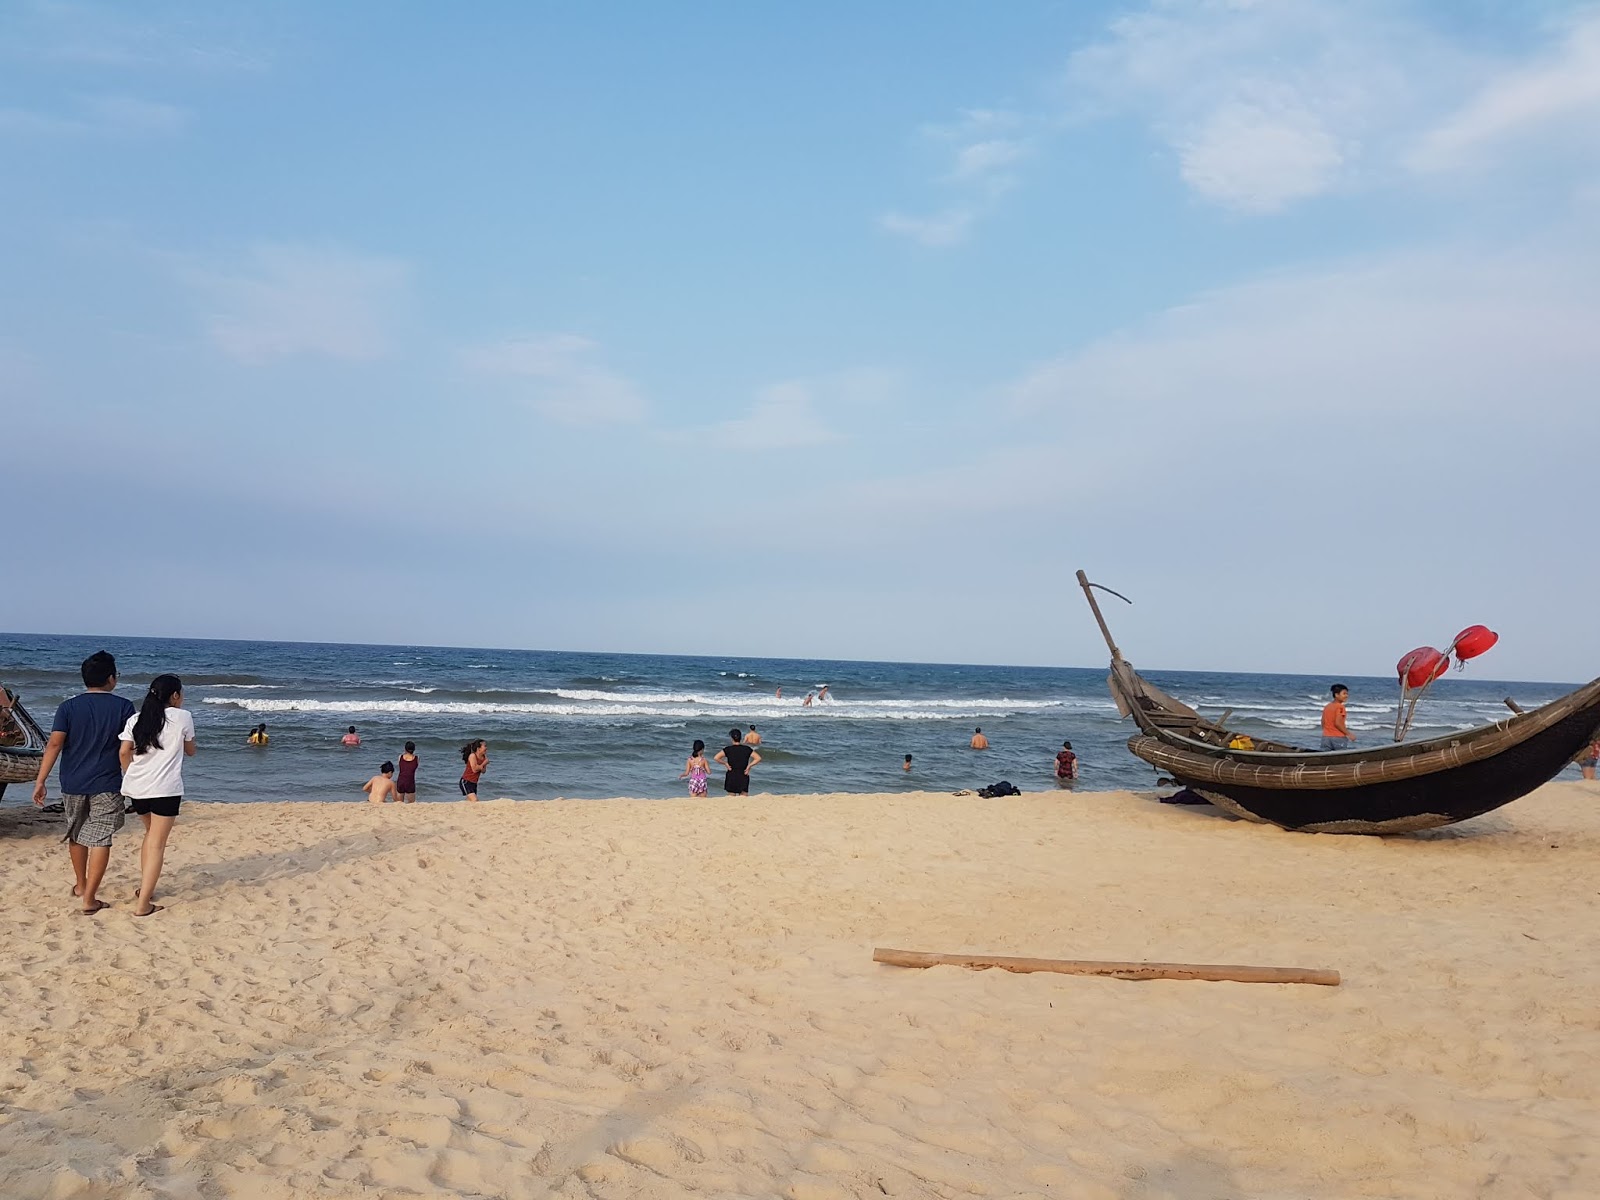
[(157, 806), (736, 785), (469, 787)]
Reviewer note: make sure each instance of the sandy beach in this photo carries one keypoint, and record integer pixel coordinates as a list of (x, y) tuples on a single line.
[(647, 998)]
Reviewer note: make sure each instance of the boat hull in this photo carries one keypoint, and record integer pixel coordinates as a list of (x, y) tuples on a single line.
[(1476, 774), (19, 766)]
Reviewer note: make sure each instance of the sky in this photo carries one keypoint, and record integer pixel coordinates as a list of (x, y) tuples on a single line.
[(824, 330)]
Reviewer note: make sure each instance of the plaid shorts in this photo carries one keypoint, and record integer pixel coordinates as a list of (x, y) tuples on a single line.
[(91, 820)]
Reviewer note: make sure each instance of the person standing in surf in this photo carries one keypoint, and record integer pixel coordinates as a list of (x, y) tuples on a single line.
[(405, 784), (1066, 763), (697, 770), (155, 742), (475, 760), (738, 758)]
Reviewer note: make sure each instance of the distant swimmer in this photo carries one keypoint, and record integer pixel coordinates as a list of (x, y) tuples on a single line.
[(352, 738), (906, 766), (752, 738), (1335, 720), (979, 742), (778, 695), (258, 735), (380, 788), (738, 758), (822, 693), (1066, 763), (806, 703)]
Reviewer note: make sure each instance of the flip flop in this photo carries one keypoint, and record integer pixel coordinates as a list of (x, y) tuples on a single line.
[(89, 912), (154, 908)]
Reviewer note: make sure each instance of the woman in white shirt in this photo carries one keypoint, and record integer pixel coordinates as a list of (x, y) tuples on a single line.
[(155, 742)]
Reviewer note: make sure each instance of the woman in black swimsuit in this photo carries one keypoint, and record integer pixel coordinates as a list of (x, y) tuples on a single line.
[(738, 758)]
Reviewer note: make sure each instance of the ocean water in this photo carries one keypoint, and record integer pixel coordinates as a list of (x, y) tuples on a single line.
[(594, 725)]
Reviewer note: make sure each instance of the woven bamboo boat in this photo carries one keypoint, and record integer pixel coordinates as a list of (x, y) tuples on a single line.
[(1389, 789), (22, 745)]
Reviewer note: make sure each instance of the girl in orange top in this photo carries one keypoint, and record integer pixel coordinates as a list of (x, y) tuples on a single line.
[(476, 757)]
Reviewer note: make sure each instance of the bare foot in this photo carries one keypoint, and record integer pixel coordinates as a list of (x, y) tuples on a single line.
[(89, 911), (154, 908)]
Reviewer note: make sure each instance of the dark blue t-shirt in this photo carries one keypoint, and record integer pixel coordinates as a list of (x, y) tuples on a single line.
[(92, 723)]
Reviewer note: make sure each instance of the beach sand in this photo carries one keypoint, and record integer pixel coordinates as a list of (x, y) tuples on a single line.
[(676, 998)]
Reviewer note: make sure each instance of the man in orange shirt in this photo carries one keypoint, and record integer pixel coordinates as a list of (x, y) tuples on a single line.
[(1335, 723)]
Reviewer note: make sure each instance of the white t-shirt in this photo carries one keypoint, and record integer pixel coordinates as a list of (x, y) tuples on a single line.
[(158, 772)]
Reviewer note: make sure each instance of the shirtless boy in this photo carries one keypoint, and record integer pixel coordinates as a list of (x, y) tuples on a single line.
[(380, 788)]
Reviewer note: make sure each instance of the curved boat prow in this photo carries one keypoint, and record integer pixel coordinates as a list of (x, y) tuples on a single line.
[(1390, 789)]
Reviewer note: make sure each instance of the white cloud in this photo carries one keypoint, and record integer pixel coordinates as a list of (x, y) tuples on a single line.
[(783, 417), (130, 114), (937, 229), (567, 381), (1562, 88), (110, 116), (30, 123), (1329, 358), (978, 153), (1264, 104), (123, 37), (983, 160), (284, 300), (1259, 156)]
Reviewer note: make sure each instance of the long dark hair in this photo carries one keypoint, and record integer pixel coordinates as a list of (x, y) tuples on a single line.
[(470, 749), (699, 749), (153, 712)]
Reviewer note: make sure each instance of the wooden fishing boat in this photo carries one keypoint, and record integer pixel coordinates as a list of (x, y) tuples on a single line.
[(1394, 788), (22, 744)]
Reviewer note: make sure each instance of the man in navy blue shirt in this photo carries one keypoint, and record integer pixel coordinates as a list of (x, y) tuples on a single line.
[(85, 739)]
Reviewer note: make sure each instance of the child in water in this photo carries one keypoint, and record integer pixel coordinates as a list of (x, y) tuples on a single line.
[(697, 770), (380, 788), (352, 738)]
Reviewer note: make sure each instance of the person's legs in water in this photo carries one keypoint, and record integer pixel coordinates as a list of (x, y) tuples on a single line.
[(152, 852)]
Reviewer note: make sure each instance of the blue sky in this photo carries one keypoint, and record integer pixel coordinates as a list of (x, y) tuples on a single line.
[(831, 330)]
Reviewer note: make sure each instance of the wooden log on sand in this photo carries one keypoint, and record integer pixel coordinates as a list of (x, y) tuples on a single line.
[(1115, 970)]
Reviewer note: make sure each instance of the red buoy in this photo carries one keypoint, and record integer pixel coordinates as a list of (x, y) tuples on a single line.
[(1473, 641), (1421, 667)]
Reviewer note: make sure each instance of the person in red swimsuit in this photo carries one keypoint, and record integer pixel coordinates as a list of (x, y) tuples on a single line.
[(475, 756)]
